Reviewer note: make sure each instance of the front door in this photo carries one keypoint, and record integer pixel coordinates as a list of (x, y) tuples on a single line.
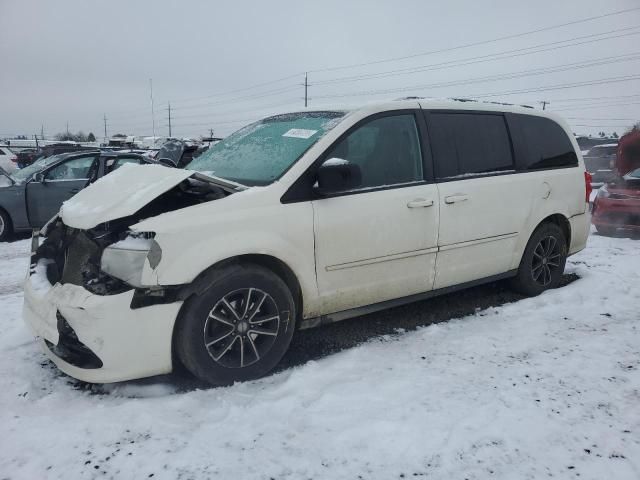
[(61, 182), (378, 242)]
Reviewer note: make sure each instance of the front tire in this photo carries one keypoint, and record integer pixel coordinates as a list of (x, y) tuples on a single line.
[(238, 328), (543, 262), (5, 226)]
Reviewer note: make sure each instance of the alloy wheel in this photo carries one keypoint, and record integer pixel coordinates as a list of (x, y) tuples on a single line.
[(2, 226), (241, 328), (546, 260)]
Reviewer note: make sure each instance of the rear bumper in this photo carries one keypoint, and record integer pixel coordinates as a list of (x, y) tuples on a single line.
[(75, 324), (614, 213)]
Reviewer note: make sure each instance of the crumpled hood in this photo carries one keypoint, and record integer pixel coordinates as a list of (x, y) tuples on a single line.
[(120, 194)]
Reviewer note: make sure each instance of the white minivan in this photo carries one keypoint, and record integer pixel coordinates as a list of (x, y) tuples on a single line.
[(298, 220)]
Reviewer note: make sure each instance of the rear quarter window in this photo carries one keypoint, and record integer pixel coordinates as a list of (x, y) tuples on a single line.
[(547, 144)]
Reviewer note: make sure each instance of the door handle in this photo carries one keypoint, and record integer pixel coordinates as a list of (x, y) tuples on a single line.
[(458, 197), (74, 190), (420, 203)]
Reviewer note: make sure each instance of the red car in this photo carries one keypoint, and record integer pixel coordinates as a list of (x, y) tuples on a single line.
[(617, 204)]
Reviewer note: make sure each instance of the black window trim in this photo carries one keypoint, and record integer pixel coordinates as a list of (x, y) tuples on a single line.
[(513, 121), (519, 147), (514, 159), (302, 189)]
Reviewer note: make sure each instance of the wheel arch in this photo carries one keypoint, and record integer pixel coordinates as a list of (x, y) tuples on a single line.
[(207, 276), (562, 222)]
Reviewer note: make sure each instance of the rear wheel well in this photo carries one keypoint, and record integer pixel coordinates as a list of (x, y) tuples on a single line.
[(562, 222)]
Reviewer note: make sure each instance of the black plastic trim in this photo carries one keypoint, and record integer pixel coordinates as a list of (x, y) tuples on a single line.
[(396, 302)]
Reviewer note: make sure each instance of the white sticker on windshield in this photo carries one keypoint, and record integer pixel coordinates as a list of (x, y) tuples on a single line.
[(299, 133)]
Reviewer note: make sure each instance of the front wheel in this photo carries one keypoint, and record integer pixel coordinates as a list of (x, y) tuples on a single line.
[(238, 328), (543, 262)]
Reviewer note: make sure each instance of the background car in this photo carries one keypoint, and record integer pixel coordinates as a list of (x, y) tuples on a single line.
[(179, 153), (8, 159), (617, 204), (599, 162), (31, 196)]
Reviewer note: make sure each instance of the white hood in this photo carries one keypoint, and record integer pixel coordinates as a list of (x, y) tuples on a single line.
[(120, 194)]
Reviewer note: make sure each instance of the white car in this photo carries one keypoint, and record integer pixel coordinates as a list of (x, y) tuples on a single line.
[(8, 159), (299, 220)]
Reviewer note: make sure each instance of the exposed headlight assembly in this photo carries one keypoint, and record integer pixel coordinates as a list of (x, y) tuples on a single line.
[(125, 259)]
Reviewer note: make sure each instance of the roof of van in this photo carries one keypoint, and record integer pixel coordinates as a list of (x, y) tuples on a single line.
[(432, 103)]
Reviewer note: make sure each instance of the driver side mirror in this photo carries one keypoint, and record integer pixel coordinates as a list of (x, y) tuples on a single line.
[(337, 175), (39, 177)]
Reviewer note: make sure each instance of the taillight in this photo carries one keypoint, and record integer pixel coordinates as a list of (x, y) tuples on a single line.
[(587, 186)]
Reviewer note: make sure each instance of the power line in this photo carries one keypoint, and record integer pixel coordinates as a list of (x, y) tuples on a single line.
[(247, 97), (596, 105), (492, 78), (228, 92), (475, 44), (458, 47), (250, 109), (518, 52), (602, 81)]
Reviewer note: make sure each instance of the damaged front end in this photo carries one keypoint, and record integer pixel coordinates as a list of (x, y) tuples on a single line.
[(92, 294), (109, 258)]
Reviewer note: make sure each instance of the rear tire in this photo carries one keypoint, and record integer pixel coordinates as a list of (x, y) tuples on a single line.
[(543, 262), (238, 328), (6, 228)]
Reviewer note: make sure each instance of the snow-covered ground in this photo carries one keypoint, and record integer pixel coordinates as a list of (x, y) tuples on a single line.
[(547, 387)]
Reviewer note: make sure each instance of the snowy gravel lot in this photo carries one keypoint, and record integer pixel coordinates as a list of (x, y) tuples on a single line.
[(519, 389)]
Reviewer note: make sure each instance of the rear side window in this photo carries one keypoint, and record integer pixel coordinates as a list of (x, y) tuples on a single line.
[(547, 143), (469, 143)]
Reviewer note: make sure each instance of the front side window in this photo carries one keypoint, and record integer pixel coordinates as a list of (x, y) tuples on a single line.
[(260, 153), (76, 169), (38, 165), (386, 149), (547, 143), (469, 143)]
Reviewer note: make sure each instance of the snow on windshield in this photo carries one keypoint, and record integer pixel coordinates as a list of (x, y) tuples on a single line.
[(261, 152)]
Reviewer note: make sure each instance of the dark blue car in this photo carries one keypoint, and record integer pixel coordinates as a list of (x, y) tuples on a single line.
[(31, 196)]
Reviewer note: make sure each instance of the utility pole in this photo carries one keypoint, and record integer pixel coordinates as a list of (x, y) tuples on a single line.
[(67, 128), (544, 104), (106, 140), (42, 132), (169, 118), (153, 116), (211, 133), (306, 87)]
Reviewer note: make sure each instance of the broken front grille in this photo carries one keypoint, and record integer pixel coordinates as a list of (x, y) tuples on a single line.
[(73, 257)]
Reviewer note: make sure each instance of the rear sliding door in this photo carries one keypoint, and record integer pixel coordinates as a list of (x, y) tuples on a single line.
[(484, 204)]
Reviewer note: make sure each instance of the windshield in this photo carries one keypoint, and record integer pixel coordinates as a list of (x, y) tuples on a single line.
[(261, 152), (26, 172)]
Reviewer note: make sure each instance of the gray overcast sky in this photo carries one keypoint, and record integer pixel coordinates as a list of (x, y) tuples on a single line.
[(75, 60)]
